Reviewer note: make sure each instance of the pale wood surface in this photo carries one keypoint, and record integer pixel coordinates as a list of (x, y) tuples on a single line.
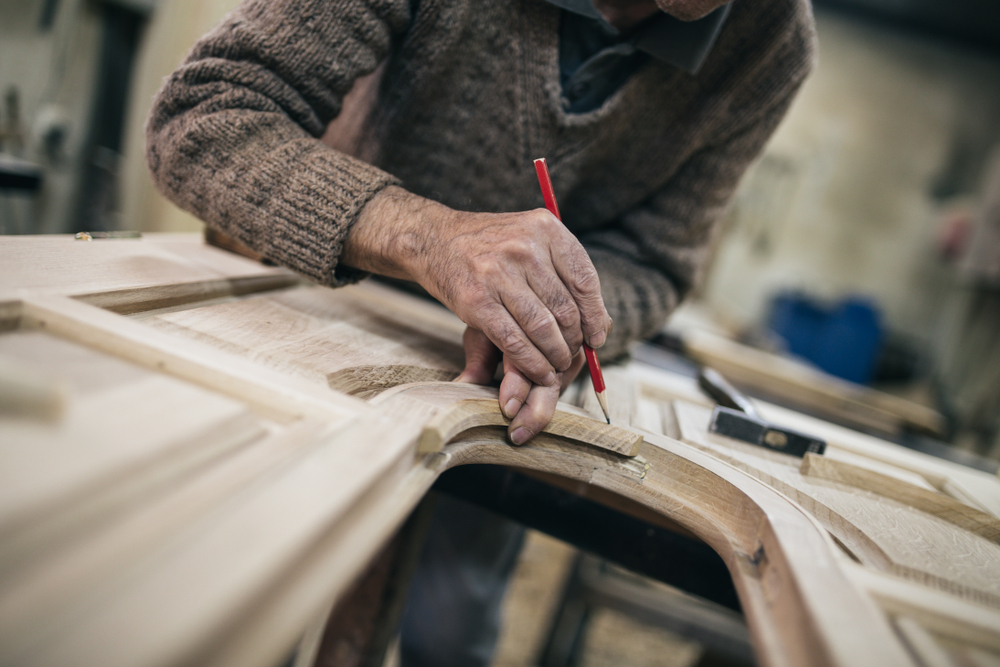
[(809, 387), (219, 449), (573, 424)]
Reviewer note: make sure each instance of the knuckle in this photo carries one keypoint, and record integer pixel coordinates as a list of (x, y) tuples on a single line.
[(486, 266), (512, 342), (483, 293), (566, 314), (585, 280), (522, 250), (540, 325)]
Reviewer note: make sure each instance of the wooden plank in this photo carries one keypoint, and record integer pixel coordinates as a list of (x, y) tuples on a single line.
[(117, 437), (931, 502), (276, 395), (800, 607), (59, 264), (809, 387), (881, 532), (238, 553), (937, 611), (350, 340)]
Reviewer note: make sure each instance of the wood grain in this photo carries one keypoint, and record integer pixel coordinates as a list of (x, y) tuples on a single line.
[(809, 387), (463, 415), (929, 501), (214, 480), (881, 532)]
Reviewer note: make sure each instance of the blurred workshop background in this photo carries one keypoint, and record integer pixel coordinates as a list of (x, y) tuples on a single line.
[(865, 242)]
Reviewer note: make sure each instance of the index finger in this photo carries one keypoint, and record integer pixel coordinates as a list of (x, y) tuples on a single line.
[(577, 272)]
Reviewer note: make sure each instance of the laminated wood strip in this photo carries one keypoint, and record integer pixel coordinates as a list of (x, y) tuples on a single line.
[(467, 414)]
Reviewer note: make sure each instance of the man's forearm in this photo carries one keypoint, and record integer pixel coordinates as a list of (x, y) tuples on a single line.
[(388, 237), (520, 278)]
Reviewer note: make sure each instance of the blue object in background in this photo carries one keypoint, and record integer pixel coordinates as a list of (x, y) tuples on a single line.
[(844, 340)]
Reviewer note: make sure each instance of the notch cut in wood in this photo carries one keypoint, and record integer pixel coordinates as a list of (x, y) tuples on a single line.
[(463, 415)]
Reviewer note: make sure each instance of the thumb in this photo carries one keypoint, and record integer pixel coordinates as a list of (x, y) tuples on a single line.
[(481, 358)]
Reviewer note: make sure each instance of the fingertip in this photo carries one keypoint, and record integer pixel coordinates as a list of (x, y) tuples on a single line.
[(520, 435), (601, 337), (511, 408)]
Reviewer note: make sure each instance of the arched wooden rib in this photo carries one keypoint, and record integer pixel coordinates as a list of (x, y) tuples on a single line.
[(574, 425), (801, 605)]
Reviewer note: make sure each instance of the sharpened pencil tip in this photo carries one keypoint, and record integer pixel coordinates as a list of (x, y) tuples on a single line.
[(609, 420)]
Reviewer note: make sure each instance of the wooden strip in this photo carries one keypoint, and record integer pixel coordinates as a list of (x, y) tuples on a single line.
[(937, 504), (807, 386), (922, 643), (272, 394), (973, 487), (881, 532), (140, 299), (471, 413), (937, 611)]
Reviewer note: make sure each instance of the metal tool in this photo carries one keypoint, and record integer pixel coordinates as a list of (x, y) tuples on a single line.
[(736, 417)]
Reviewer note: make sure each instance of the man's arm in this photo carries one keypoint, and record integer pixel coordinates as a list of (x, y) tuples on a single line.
[(233, 135), (233, 138), (522, 279), (647, 261)]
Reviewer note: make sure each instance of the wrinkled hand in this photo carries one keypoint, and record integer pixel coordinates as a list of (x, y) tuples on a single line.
[(522, 279), (529, 406)]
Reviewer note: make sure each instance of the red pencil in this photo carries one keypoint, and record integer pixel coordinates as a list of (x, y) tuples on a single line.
[(549, 195)]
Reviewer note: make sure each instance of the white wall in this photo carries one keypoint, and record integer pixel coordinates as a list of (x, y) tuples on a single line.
[(175, 27), (842, 200)]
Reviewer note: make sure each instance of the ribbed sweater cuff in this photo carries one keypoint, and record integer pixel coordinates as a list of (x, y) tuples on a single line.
[(311, 216)]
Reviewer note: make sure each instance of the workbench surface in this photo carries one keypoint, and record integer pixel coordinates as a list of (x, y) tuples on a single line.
[(199, 453)]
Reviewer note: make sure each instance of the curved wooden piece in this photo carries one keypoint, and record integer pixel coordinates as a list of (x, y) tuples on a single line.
[(572, 424), (801, 607), (280, 488)]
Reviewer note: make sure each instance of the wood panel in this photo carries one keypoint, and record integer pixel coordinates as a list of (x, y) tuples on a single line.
[(207, 451)]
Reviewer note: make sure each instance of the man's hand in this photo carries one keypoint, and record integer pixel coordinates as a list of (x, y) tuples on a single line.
[(522, 279), (529, 406)]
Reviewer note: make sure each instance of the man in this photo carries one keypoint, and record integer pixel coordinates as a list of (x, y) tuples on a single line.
[(647, 123), (648, 113)]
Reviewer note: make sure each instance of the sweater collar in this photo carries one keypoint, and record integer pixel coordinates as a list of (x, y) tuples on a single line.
[(684, 44)]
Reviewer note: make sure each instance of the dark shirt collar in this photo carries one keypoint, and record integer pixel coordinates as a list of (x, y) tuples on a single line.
[(684, 44)]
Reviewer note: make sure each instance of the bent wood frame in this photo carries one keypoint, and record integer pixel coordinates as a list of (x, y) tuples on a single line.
[(228, 561)]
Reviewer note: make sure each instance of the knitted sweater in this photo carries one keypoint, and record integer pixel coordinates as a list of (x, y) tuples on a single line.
[(468, 97)]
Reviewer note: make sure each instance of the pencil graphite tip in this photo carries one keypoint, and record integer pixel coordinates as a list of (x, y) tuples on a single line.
[(609, 420)]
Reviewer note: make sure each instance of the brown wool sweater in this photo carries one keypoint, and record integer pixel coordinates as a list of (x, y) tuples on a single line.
[(468, 97)]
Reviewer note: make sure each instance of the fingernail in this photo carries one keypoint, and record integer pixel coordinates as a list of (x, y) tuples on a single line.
[(611, 325), (520, 435), (549, 380), (510, 409), (598, 339)]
